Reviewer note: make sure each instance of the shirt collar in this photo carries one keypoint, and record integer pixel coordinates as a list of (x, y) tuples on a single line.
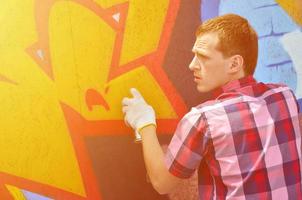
[(233, 85)]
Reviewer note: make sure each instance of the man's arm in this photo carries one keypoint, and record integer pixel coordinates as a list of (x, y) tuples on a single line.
[(141, 117), (162, 180)]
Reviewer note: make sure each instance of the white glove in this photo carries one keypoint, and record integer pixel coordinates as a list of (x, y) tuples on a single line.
[(138, 114)]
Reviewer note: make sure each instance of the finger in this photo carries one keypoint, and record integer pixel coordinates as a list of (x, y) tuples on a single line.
[(126, 122), (135, 93), (126, 101), (125, 109)]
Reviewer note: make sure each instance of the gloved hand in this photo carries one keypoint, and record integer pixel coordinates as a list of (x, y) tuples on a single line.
[(138, 114)]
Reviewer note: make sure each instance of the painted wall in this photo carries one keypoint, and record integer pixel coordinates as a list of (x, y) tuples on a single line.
[(66, 64)]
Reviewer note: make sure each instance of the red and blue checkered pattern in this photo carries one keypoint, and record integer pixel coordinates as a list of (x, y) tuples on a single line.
[(245, 143)]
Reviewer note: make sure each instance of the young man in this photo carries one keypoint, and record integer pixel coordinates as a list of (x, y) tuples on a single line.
[(245, 142)]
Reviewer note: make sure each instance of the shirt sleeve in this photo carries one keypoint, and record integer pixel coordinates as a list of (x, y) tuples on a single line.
[(187, 146)]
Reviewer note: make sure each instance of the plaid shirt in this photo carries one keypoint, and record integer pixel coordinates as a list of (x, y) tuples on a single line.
[(245, 143)]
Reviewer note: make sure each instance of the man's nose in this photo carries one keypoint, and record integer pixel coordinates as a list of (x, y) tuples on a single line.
[(194, 64)]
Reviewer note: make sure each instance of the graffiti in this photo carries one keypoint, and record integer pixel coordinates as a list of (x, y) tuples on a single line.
[(291, 42), (4, 79), (293, 8), (76, 60)]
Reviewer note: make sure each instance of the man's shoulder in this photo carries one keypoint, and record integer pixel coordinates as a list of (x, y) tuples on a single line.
[(247, 94)]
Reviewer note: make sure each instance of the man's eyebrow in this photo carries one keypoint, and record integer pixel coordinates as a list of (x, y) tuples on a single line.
[(199, 54), (195, 50)]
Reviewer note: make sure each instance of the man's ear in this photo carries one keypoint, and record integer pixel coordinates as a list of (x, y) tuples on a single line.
[(236, 64)]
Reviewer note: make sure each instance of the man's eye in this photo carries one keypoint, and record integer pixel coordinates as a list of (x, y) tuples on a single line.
[(201, 57)]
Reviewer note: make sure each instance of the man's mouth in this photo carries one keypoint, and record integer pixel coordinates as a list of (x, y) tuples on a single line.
[(197, 78)]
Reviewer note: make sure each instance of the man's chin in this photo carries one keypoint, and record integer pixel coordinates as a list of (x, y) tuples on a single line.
[(203, 89)]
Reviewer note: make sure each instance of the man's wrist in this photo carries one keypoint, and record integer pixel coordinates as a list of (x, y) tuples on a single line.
[(146, 129)]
